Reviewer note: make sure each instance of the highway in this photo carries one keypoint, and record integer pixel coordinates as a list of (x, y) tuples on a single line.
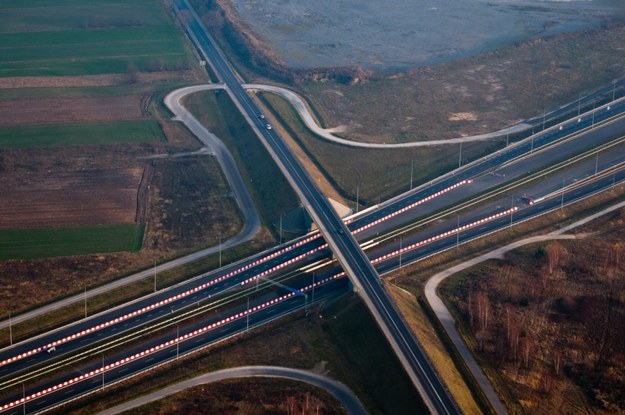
[(469, 171), (235, 319), (343, 244)]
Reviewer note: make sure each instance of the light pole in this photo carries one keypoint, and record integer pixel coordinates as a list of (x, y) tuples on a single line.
[(400, 248), (219, 251), (511, 209), (177, 341), (247, 316), (10, 330), (85, 301), (458, 233), (596, 163), (357, 197), (579, 103), (594, 104), (281, 229), (411, 172), (507, 139), (460, 156), (562, 195), (154, 275), (613, 89), (103, 371)]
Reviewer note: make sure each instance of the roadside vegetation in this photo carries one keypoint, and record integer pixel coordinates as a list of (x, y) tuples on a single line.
[(258, 396), (550, 320), (269, 188), (521, 389)]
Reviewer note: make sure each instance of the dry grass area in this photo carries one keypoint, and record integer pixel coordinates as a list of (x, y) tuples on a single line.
[(425, 333), (474, 95), (73, 109), (547, 322), (69, 198), (247, 397)]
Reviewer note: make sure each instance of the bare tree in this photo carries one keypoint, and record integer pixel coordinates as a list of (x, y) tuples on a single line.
[(554, 255), (557, 363)]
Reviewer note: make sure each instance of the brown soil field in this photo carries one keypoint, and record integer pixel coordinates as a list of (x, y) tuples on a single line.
[(74, 109), (79, 198)]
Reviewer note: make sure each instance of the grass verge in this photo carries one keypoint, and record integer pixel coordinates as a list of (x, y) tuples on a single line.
[(92, 133), (269, 188), (50, 242)]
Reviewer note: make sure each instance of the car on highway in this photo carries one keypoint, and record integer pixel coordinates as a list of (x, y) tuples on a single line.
[(269, 126), (527, 199)]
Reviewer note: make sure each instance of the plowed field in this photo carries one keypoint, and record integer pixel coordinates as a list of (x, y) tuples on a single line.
[(71, 109), (69, 199)]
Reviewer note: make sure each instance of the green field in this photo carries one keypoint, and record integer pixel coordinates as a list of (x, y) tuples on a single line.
[(94, 133), (85, 37), (84, 240)]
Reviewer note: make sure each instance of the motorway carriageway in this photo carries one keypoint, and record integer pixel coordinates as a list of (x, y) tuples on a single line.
[(166, 347), (242, 317), (126, 318), (138, 313)]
